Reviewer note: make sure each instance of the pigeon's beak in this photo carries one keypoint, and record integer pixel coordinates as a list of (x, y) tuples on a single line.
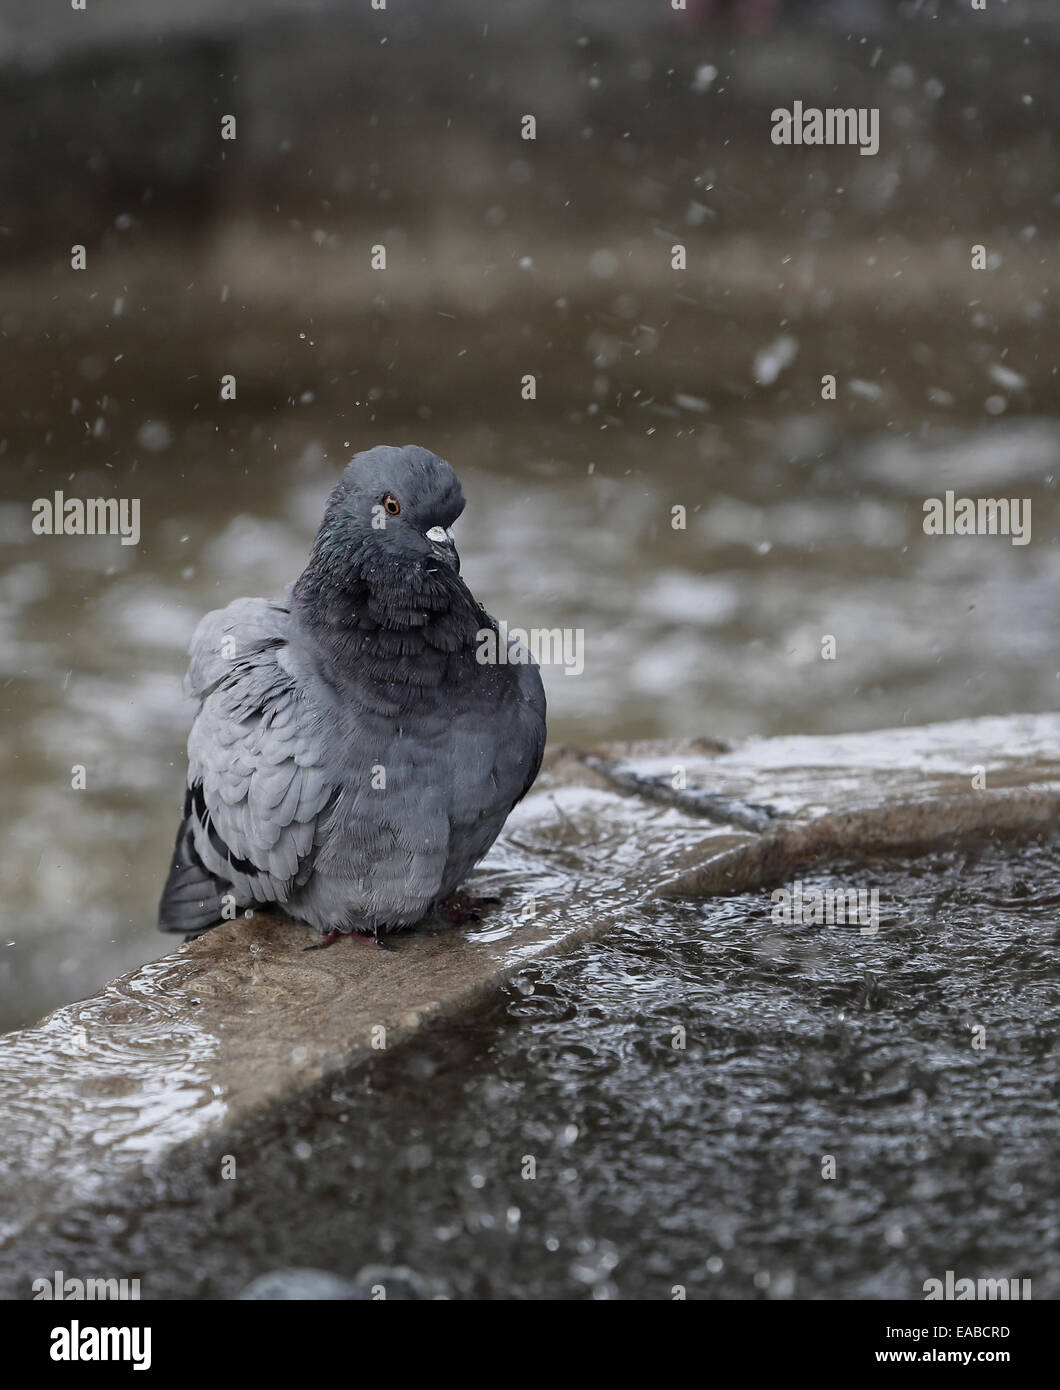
[(443, 546)]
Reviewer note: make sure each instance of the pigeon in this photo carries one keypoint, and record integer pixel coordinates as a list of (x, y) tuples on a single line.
[(355, 751)]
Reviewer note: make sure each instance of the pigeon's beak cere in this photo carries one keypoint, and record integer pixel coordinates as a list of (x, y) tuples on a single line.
[(443, 545)]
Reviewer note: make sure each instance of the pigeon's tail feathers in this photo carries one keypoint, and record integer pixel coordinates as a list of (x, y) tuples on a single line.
[(191, 899)]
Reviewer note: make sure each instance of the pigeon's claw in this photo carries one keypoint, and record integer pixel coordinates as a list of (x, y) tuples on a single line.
[(329, 939)]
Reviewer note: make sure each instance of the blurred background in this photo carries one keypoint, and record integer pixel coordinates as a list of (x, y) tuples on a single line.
[(656, 387)]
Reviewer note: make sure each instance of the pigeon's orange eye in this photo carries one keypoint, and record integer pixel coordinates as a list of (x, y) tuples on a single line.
[(391, 503)]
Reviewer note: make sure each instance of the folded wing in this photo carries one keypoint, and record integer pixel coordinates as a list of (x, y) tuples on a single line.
[(258, 781)]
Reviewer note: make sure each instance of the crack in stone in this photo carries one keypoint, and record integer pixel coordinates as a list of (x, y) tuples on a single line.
[(711, 806)]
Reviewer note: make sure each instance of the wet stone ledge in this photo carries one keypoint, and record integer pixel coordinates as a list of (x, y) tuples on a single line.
[(203, 1042)]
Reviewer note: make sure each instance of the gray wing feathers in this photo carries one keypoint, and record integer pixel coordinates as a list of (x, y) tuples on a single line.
[(257, 751), (241, 631)]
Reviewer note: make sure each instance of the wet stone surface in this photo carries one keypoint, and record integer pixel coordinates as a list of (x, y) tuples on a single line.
[(243, 1019), (212, 1038), (659, 1166)]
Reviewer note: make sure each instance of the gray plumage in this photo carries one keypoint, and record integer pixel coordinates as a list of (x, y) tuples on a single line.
[(352, 759)]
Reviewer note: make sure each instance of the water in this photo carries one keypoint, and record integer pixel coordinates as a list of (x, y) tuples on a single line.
[(656, 389), (713, 631), (657, 1166)]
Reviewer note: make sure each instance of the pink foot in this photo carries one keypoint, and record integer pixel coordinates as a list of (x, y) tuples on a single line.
[(329, 939)]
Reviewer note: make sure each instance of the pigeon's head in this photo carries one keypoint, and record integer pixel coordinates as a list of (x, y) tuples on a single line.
[(397, 503)]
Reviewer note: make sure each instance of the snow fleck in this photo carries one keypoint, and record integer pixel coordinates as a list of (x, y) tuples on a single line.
[(154, 436), (603, 264), (868, 390), (696, 403), (770, 361), (1006, 377)]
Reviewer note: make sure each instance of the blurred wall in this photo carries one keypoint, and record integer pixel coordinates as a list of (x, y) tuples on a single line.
[(356, 127)]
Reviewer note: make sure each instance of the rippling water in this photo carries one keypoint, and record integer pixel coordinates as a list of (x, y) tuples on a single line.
[(794, 531), (658, 1166)]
